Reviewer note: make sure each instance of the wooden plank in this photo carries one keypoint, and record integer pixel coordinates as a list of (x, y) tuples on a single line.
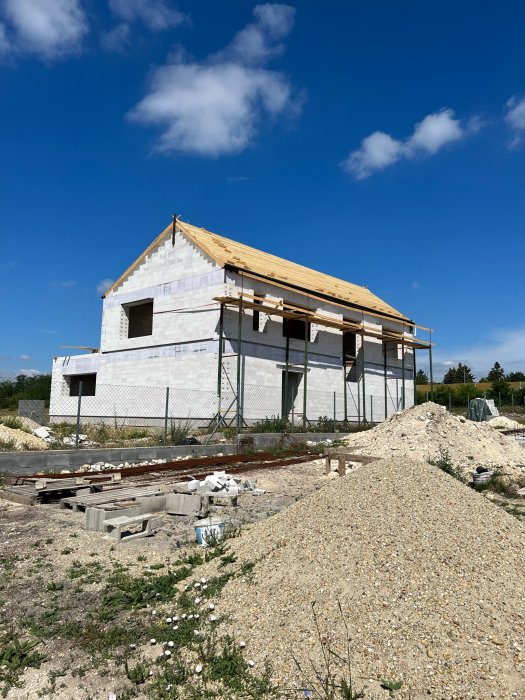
[(111, 496)]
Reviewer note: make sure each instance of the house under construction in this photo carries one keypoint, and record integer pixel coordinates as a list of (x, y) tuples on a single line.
[(217, 331)]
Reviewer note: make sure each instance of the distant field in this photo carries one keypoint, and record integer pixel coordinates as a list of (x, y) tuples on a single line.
[(482, 386)]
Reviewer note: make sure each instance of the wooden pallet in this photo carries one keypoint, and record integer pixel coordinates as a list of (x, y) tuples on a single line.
[(111, 496), (28, 495)]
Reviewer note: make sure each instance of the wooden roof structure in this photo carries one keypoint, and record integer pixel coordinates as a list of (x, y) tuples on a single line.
[(227, 252), (271, 268)]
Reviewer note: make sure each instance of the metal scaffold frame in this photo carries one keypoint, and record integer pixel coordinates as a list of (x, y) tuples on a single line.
[(283, 309)]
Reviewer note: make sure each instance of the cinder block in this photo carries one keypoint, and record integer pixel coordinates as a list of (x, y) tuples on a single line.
[(183, 504)]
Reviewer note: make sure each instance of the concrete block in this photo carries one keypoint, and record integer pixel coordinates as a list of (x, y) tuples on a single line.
[(183, 504)]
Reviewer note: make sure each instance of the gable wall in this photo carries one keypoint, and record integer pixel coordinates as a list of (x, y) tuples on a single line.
[(181, 280)]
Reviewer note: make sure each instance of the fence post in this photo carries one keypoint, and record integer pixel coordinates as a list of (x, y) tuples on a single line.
[(79, 403), (427, 396), (166, 415), (334, 412), (293, 415), (499, 397), (450, 401), (371, 409), (512, 400)]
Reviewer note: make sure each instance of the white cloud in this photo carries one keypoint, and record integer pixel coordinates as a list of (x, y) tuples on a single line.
[(506, 346), (5, 44), (117, 39), (29, 372), (104, 285), (515, 119), (25, 357), (158, 15), (435, 131), (258, 41), (64, 284), (214, 107), (379, 150), (48, 28)]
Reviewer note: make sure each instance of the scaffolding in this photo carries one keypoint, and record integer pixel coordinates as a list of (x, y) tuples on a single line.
[(281, 308)]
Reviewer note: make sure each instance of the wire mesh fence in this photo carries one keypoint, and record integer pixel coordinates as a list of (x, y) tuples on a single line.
[(155, 406)]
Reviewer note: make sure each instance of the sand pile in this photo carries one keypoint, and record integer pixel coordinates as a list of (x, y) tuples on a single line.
[(429, 573), (422, 431), (22, 440)]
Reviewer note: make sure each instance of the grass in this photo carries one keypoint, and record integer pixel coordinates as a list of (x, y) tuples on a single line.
[(7, 445), (15, 656), (14, 422)]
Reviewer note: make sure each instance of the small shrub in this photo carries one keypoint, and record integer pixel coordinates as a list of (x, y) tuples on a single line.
[(228, 432), (274, 424), (137, 674), (334, 679), (178, 430), (443, 461), (7, 445), (135, 433)]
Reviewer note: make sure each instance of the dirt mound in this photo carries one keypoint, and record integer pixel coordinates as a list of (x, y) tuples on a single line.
[(430, 576), (422, 432), (20, 439)]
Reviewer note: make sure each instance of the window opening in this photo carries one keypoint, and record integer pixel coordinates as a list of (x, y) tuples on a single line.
[(89, 384), (140, 319)]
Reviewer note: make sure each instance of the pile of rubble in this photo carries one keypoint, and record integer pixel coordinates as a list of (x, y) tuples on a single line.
[(427, 431), (222, 483), (47, 434), (504, 423), (428, 575)]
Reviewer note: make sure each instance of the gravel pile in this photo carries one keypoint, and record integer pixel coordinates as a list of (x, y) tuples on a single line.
[(430, 576), (422, 431), (22, 440)]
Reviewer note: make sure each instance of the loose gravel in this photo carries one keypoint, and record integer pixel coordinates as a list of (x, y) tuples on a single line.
[(423, 431), (430, 576)]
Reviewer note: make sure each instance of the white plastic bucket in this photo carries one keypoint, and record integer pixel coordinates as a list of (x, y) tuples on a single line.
[(209, 529)]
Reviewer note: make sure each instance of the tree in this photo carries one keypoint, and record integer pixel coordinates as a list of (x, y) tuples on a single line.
[(421, 377), (515, 377), (497, 373), (462, 374)]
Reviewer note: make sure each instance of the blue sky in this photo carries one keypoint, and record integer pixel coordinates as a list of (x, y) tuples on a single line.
[(380, 142)]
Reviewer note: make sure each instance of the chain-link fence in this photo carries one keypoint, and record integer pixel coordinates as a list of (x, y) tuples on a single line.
[(154, 406)]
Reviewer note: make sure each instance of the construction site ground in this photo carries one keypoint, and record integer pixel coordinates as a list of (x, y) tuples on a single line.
[(429, 574), (49, 561)]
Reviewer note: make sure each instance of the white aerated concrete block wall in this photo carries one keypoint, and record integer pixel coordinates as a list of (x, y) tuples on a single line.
[(182, 351)]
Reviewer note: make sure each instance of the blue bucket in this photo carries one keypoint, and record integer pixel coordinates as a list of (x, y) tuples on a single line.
[(209, 528)]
